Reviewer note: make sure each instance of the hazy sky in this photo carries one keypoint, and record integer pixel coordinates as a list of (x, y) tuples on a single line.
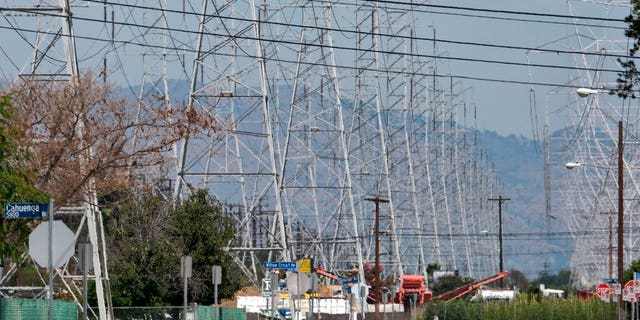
[(512, 108)]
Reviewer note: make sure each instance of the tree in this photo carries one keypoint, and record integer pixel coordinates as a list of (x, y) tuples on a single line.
[(561, 280), (84, 138), (629, 273), (16, 184), (628, 78), (144, 249), (431, 267), (147, 238), (205, 232), (517, 279), (447, 283)]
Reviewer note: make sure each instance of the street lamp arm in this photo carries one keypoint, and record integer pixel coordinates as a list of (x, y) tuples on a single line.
[(575, 164), (585, 92), (571, 165)]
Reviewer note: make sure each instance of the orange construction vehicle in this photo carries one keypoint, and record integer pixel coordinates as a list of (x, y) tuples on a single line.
[(412, 291)]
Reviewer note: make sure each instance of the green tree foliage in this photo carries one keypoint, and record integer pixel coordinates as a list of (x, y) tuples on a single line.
[(628, 78), (517, 279), (16, 184), (561, 280), (447, 283), (628, 274), (144, 250), (205, 232), (147, 238)]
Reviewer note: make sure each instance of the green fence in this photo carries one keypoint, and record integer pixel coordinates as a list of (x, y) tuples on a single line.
[(209, 313), (176, 313), (36, 309)]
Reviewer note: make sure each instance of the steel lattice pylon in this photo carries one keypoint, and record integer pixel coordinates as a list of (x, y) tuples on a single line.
[(587, 132), (336, 136), (54, 58), (238, 162), (316, 180), (318, 105)]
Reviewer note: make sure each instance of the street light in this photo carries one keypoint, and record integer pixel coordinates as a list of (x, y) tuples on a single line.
[(571, 165), (584, 92)]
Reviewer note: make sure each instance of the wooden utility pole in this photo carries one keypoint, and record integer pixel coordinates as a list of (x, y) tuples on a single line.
[(376, 270), (500, 200)]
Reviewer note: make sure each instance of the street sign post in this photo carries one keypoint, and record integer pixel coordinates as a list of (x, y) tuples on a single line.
[(304, 265), (25, 210), (603, 291), (63, 244), (347, 283), (628, 293), (56, 254), (285, 265), (216, 275), (616, 290)]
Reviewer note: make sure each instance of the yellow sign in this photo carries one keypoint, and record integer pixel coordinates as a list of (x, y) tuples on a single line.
[(304, 265)]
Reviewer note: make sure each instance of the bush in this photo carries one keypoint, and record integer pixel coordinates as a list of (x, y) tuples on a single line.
[(523, 308)]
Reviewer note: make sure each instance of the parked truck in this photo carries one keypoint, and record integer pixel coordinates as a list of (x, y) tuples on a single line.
[(412, 291)]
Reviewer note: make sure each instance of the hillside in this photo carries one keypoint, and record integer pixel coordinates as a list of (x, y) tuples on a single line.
[(520, 166)]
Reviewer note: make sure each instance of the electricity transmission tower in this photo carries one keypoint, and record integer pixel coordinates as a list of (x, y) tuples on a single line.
[(54, 58), (316, 184), (587, 132), (303, 139), (238, 162), (314, 113)]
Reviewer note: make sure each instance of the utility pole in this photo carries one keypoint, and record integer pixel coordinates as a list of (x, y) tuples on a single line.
[(610, 242), (376, 270), (500, 200), (620, 216)]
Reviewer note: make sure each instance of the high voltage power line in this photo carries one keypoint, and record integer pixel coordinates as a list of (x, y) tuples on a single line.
[(126, 42), (360, 32), (500, 18), (385, 71), (345, 48), (511, 12)]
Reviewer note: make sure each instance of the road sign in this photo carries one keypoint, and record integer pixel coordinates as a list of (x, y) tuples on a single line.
[(360, 291), (347, 283), (25, 210), (348, 280), (304, 265), (286, 265), (185, 266), (603, 291), (216, 274), (616, 288), (63, 244), (628, 295)]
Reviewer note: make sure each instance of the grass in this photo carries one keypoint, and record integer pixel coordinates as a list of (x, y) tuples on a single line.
[(523, 308)]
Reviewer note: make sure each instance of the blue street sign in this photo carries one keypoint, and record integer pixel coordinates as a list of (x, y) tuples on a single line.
[(348, 280), (286, 265), (25, 210)]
